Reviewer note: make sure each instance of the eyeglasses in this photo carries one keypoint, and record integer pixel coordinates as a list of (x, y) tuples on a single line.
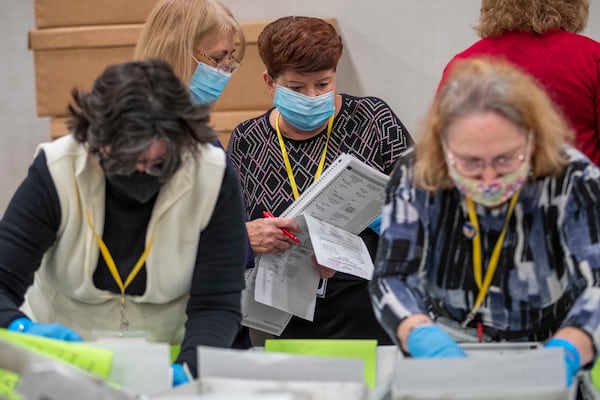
[(152, 167), (230, 65), (117, 167), (503, 164)]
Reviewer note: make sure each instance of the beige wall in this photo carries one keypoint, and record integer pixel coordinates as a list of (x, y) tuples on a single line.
[(20, 129), (394, 49)]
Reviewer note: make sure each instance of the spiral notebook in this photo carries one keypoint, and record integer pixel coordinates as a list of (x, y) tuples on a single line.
[(349, 195)]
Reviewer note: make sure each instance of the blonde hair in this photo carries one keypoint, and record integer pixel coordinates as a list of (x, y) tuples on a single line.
[(539, 16), (176, 27), (478, 86)]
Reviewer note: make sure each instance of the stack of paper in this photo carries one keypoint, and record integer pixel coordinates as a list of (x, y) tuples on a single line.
[(535, 375), (39, 376), (230, 371)]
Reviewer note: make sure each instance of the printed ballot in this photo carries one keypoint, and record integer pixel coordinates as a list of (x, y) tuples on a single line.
[(338, 249)]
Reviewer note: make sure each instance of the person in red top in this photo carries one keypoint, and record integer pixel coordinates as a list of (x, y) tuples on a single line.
[(542, 37)]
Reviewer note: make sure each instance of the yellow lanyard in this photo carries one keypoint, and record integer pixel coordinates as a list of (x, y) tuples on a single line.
[(112, 267), (286, 160), (477, 264)]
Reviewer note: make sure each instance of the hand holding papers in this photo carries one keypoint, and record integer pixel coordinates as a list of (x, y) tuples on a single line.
[(287, 233), (338, 249), (348, 195)]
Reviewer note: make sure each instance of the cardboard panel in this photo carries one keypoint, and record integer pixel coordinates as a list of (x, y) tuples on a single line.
[(54, 13), (58, 71), (247, 89), (223, 123), (85, 37), (68, 57)]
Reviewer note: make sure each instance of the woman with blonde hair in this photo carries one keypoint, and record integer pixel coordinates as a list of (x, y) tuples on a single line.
[(201, 39), (490, 228), (543, 37)]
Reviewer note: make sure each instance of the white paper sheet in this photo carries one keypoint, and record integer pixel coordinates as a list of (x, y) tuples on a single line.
[(242, 364), (338, 249), (49, 381), (348, 195), (537, 374), (129, 355), (289, 282), (261, 316)]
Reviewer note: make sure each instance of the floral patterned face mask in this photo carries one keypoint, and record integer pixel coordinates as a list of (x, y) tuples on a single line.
[(493, 193)]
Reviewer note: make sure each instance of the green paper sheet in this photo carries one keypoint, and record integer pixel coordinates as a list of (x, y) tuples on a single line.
[(91, 359), (8, 383), (348, 348), (174, 351)]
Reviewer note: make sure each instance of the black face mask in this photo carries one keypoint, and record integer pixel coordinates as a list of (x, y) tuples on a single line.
[(138, 186)]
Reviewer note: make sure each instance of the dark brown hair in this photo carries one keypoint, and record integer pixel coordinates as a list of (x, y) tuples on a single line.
[(302, 44), (129, 107)]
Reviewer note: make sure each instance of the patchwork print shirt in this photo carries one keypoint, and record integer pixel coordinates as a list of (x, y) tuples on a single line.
[(549, 267)]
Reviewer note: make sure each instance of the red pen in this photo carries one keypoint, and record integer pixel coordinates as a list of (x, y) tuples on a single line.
[(480, 332), (289, 234)]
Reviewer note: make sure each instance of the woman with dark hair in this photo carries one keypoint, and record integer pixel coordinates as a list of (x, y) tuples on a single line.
[(543, 37), (132, 223), (280, 153)]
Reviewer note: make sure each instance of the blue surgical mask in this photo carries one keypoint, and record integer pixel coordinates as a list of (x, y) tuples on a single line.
[(304, 112), (208, 83)]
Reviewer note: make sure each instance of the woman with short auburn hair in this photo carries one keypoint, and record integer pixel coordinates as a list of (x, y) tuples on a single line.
[(310, 125)]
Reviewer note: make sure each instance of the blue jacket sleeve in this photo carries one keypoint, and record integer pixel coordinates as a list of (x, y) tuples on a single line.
[(396, 287)]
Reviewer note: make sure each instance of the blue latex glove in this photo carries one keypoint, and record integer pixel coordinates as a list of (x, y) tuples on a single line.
[(571, 354), (376, 225), (179, 375), (430, 341), (54, 331)]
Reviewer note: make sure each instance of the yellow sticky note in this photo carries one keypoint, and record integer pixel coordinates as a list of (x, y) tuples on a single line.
[(348, 348), (91, 359), (174, 351), (8, 383)]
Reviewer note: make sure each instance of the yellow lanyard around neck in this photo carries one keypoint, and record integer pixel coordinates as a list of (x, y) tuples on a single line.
[(286, 160), (484, 285), (110, 263)]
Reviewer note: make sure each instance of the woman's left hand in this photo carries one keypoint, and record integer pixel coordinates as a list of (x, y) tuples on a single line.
[(323, 271)]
